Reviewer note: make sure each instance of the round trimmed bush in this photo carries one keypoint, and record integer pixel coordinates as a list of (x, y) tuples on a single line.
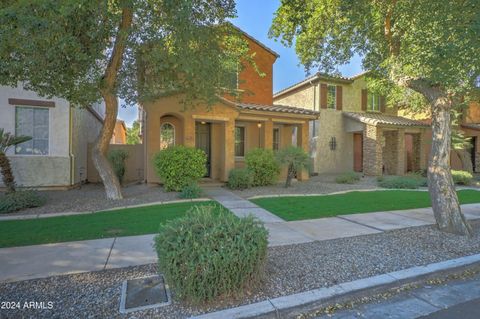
[(210, 253), (180, 166), (240, 178), (462, 177), (263, 165)]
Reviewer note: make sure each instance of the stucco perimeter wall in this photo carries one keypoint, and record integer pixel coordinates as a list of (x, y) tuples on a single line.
[(85, 130), (39, 170), (340, 159), (134, 165)]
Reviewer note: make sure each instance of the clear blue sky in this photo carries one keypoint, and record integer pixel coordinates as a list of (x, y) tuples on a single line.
[(255, 18)]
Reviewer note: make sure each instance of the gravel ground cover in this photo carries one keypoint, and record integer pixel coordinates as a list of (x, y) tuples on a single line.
[(290, 269), (322, 184), (91, 197)]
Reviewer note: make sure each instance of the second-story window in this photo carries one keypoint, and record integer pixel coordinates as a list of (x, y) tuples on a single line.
[(331, 96), (373, 102)]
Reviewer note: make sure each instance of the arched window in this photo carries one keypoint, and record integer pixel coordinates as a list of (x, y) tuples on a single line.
[(167, 135)]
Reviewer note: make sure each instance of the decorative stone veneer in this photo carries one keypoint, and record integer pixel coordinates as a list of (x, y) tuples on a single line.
[(394, 152), (372, 151)]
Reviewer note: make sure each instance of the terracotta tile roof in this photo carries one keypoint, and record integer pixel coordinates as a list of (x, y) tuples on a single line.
[(383, 119), (272, 108), (474, 126)]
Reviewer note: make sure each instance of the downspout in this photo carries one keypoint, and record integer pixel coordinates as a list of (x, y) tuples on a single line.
[(70, 142), (314, 101)]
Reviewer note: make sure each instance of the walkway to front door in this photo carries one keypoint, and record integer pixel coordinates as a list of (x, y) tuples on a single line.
[(239, 206)]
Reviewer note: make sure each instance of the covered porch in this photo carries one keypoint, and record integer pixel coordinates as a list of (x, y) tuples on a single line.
[(386, 144), (226, 132)]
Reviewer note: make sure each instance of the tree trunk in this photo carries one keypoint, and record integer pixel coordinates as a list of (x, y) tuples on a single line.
[(99, 152), (466, 159), (7, 175), (290, 174), (445, 204)]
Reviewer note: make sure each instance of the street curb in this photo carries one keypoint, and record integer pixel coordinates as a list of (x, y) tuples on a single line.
[(48, 215), (291, 305)]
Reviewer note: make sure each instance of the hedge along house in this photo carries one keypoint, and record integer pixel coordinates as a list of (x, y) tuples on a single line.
[(356, 131), (231, 127)]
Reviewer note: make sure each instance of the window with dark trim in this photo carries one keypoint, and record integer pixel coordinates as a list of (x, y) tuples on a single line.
[(239, 141), (276, 139)]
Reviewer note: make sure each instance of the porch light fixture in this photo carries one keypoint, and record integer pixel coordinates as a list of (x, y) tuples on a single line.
[(333, 143), (259, 125), (203, 122)]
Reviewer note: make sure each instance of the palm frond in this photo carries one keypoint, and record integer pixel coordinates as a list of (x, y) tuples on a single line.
[(7, 140)]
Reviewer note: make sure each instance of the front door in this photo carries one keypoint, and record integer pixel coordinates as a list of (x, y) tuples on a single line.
[(202, 141), (358, 152)]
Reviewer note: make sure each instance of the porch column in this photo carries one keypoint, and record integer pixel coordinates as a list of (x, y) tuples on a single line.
[(229, 148), (303, 142), (401, 152), (268, 134), (189, 131), (372, 151)]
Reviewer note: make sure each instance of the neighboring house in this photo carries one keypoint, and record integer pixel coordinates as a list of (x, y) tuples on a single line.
[(470, 127), (56, 156), (119, 133), (230, 128), (356, 131)]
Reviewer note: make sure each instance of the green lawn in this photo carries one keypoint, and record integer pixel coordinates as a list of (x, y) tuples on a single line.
[(122, 222), (306, 207)]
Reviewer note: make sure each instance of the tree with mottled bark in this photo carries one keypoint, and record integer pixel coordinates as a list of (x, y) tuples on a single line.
[(429, 47), (86, 51)]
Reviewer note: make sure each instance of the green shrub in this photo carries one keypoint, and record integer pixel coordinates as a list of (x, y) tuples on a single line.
[(191, 191), (117, 158), (403, 182), (240, 178), (295, 159), (462, 177), (263, 165), (180, 166), (20, 199), (211, 253), (347, 178)]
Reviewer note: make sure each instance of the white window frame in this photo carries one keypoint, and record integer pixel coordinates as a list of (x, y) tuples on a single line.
[(17, 134), (375, 101), (174, 134), (334, 96)]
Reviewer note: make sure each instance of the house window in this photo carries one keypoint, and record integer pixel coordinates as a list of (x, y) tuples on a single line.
[(167, 135), (373, 103), (239, 141), (33, 122), (331, 96), (276, 139)]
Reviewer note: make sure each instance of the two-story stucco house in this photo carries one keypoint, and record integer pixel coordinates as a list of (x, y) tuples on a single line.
[(56, 156), (356, 131), (230, 128)]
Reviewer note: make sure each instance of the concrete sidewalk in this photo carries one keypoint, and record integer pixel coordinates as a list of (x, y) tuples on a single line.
[(28, 262)]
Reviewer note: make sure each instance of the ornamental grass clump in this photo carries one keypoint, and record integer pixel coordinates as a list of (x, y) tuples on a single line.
[(210, 253), (347, 178)]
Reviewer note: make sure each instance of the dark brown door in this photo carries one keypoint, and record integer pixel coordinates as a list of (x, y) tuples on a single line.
[(473, 152), (358, 152), (409, 152), (202, 141)]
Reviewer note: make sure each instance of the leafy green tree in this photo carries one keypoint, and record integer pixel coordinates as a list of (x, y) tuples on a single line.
[(133, 134), (8, 140), (429, 47), (91, 50), (296, 159)]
